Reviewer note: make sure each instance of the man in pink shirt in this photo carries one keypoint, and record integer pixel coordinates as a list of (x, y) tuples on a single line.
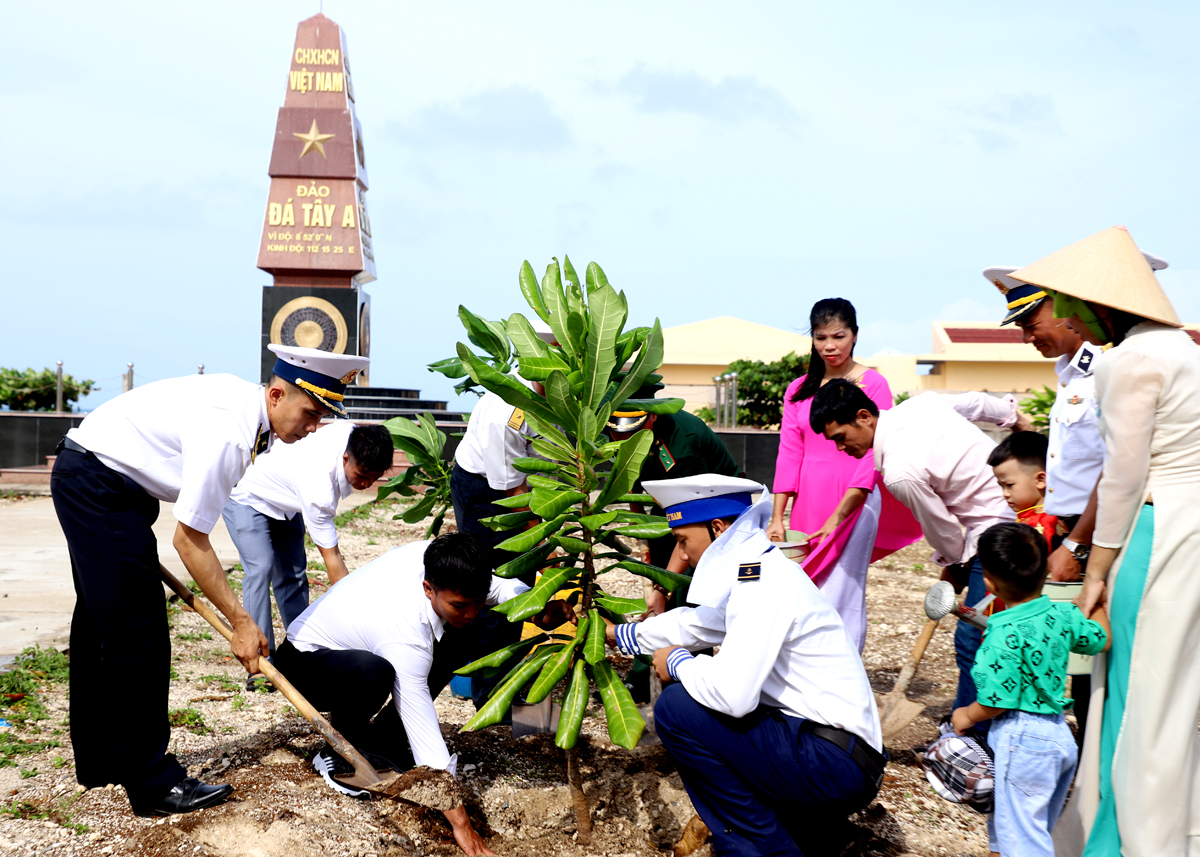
[(935, 463)]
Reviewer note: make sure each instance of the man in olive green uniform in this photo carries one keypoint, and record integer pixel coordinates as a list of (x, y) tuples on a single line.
[(683, 445)]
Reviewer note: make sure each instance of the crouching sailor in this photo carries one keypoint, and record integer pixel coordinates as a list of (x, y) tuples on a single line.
[(777, 735), (399, 627)]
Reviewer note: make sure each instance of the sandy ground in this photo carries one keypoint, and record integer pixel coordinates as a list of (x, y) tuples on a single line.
[(516, 787)]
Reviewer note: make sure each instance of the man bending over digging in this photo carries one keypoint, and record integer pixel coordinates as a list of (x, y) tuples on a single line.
[(400, 625)]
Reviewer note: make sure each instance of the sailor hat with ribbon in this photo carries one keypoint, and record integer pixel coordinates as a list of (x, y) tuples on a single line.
[(322, 374), (696, 499)]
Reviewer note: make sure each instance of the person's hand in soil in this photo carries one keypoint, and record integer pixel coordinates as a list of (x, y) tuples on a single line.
[(464, 834), (557, 612)]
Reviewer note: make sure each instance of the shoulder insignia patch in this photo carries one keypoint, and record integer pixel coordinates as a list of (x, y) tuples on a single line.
[(748, 571), (517, 419), (664, 455)]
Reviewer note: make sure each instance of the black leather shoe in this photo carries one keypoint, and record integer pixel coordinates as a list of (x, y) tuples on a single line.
[(189, 795)]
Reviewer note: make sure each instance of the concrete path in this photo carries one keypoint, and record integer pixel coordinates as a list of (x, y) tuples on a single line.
[(36, 593)]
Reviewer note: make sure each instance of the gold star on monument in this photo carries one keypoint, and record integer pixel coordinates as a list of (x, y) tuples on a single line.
[(314, 139)]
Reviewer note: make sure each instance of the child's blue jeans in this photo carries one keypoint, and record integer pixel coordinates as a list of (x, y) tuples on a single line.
[(1035, 757)]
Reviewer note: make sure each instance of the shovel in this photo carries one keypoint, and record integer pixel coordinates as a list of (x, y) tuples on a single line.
[(896, 710), (390, 785)]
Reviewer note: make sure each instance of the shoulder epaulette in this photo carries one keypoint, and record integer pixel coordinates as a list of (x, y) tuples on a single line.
[(748, 571), (517, 419)]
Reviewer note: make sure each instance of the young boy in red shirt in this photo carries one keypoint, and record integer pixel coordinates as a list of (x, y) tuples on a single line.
[(1019, 462)]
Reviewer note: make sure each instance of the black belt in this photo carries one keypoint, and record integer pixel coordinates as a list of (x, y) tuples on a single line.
[(1069, 521), (67, 443), (868, 759)]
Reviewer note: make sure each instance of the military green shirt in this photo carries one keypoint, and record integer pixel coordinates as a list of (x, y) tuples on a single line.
[(1022, 662), (685, 446)]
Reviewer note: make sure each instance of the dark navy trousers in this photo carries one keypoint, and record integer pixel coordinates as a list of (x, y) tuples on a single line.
[(967, 639), (120, 643), (762, 784)]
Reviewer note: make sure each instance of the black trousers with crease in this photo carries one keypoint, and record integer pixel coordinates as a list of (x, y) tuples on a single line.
[(120, 641)]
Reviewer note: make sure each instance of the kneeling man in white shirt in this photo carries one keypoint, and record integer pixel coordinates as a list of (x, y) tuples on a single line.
[(777, 735), (399, 626)]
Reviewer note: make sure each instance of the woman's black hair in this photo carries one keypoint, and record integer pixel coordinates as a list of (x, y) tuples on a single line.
[(825, 311), (1119, 322)]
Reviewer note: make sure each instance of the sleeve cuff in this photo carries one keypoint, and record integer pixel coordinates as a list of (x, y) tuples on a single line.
[(675, 659), (627, 638), (1011, 419)]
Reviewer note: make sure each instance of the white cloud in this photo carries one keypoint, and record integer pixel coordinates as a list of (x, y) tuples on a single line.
[(732, 99), (514, 118)]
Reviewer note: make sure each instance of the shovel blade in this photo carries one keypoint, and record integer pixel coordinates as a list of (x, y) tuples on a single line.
[(896, 712)]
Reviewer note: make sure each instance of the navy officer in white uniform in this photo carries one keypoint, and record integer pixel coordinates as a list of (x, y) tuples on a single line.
[(293, 489), (483, 472), (776, 736), (185, 441), (399, 626)]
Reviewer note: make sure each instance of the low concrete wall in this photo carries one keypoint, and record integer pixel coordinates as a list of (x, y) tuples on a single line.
[(754, 451), (27, 438)]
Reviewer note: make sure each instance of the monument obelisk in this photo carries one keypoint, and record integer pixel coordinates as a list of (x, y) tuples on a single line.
[(316, 237)]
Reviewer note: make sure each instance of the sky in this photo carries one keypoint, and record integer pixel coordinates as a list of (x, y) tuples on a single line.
[(715, 158)]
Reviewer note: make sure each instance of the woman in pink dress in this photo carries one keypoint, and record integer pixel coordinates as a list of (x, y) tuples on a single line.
[(850, 521)]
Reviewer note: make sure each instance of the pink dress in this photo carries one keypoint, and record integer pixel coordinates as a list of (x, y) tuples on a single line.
[(810, 466)]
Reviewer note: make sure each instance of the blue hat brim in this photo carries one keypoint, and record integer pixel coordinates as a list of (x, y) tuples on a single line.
[(708, 509), (311, 383), (1022, 311)]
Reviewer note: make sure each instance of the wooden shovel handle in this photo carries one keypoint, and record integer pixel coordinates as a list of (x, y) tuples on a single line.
[(918, 652), (343, 747)]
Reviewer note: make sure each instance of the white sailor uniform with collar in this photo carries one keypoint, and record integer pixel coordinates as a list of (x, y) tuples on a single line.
[(780, 725)]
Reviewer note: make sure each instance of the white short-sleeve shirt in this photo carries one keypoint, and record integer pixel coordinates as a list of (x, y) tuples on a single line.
[(382, 608), (308, 476), (1076, 450), (496, 434), (185, 440)]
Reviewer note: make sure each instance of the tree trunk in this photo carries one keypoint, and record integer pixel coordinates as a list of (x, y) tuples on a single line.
[(583, 818)]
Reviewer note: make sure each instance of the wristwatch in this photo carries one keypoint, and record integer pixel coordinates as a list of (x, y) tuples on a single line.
[(1080, 552)]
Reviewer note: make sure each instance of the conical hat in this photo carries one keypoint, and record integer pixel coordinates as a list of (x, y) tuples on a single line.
[(1106, 268)]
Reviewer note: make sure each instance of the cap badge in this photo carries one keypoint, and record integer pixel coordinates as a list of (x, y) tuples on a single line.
[(1003, 288), (349, 376)]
